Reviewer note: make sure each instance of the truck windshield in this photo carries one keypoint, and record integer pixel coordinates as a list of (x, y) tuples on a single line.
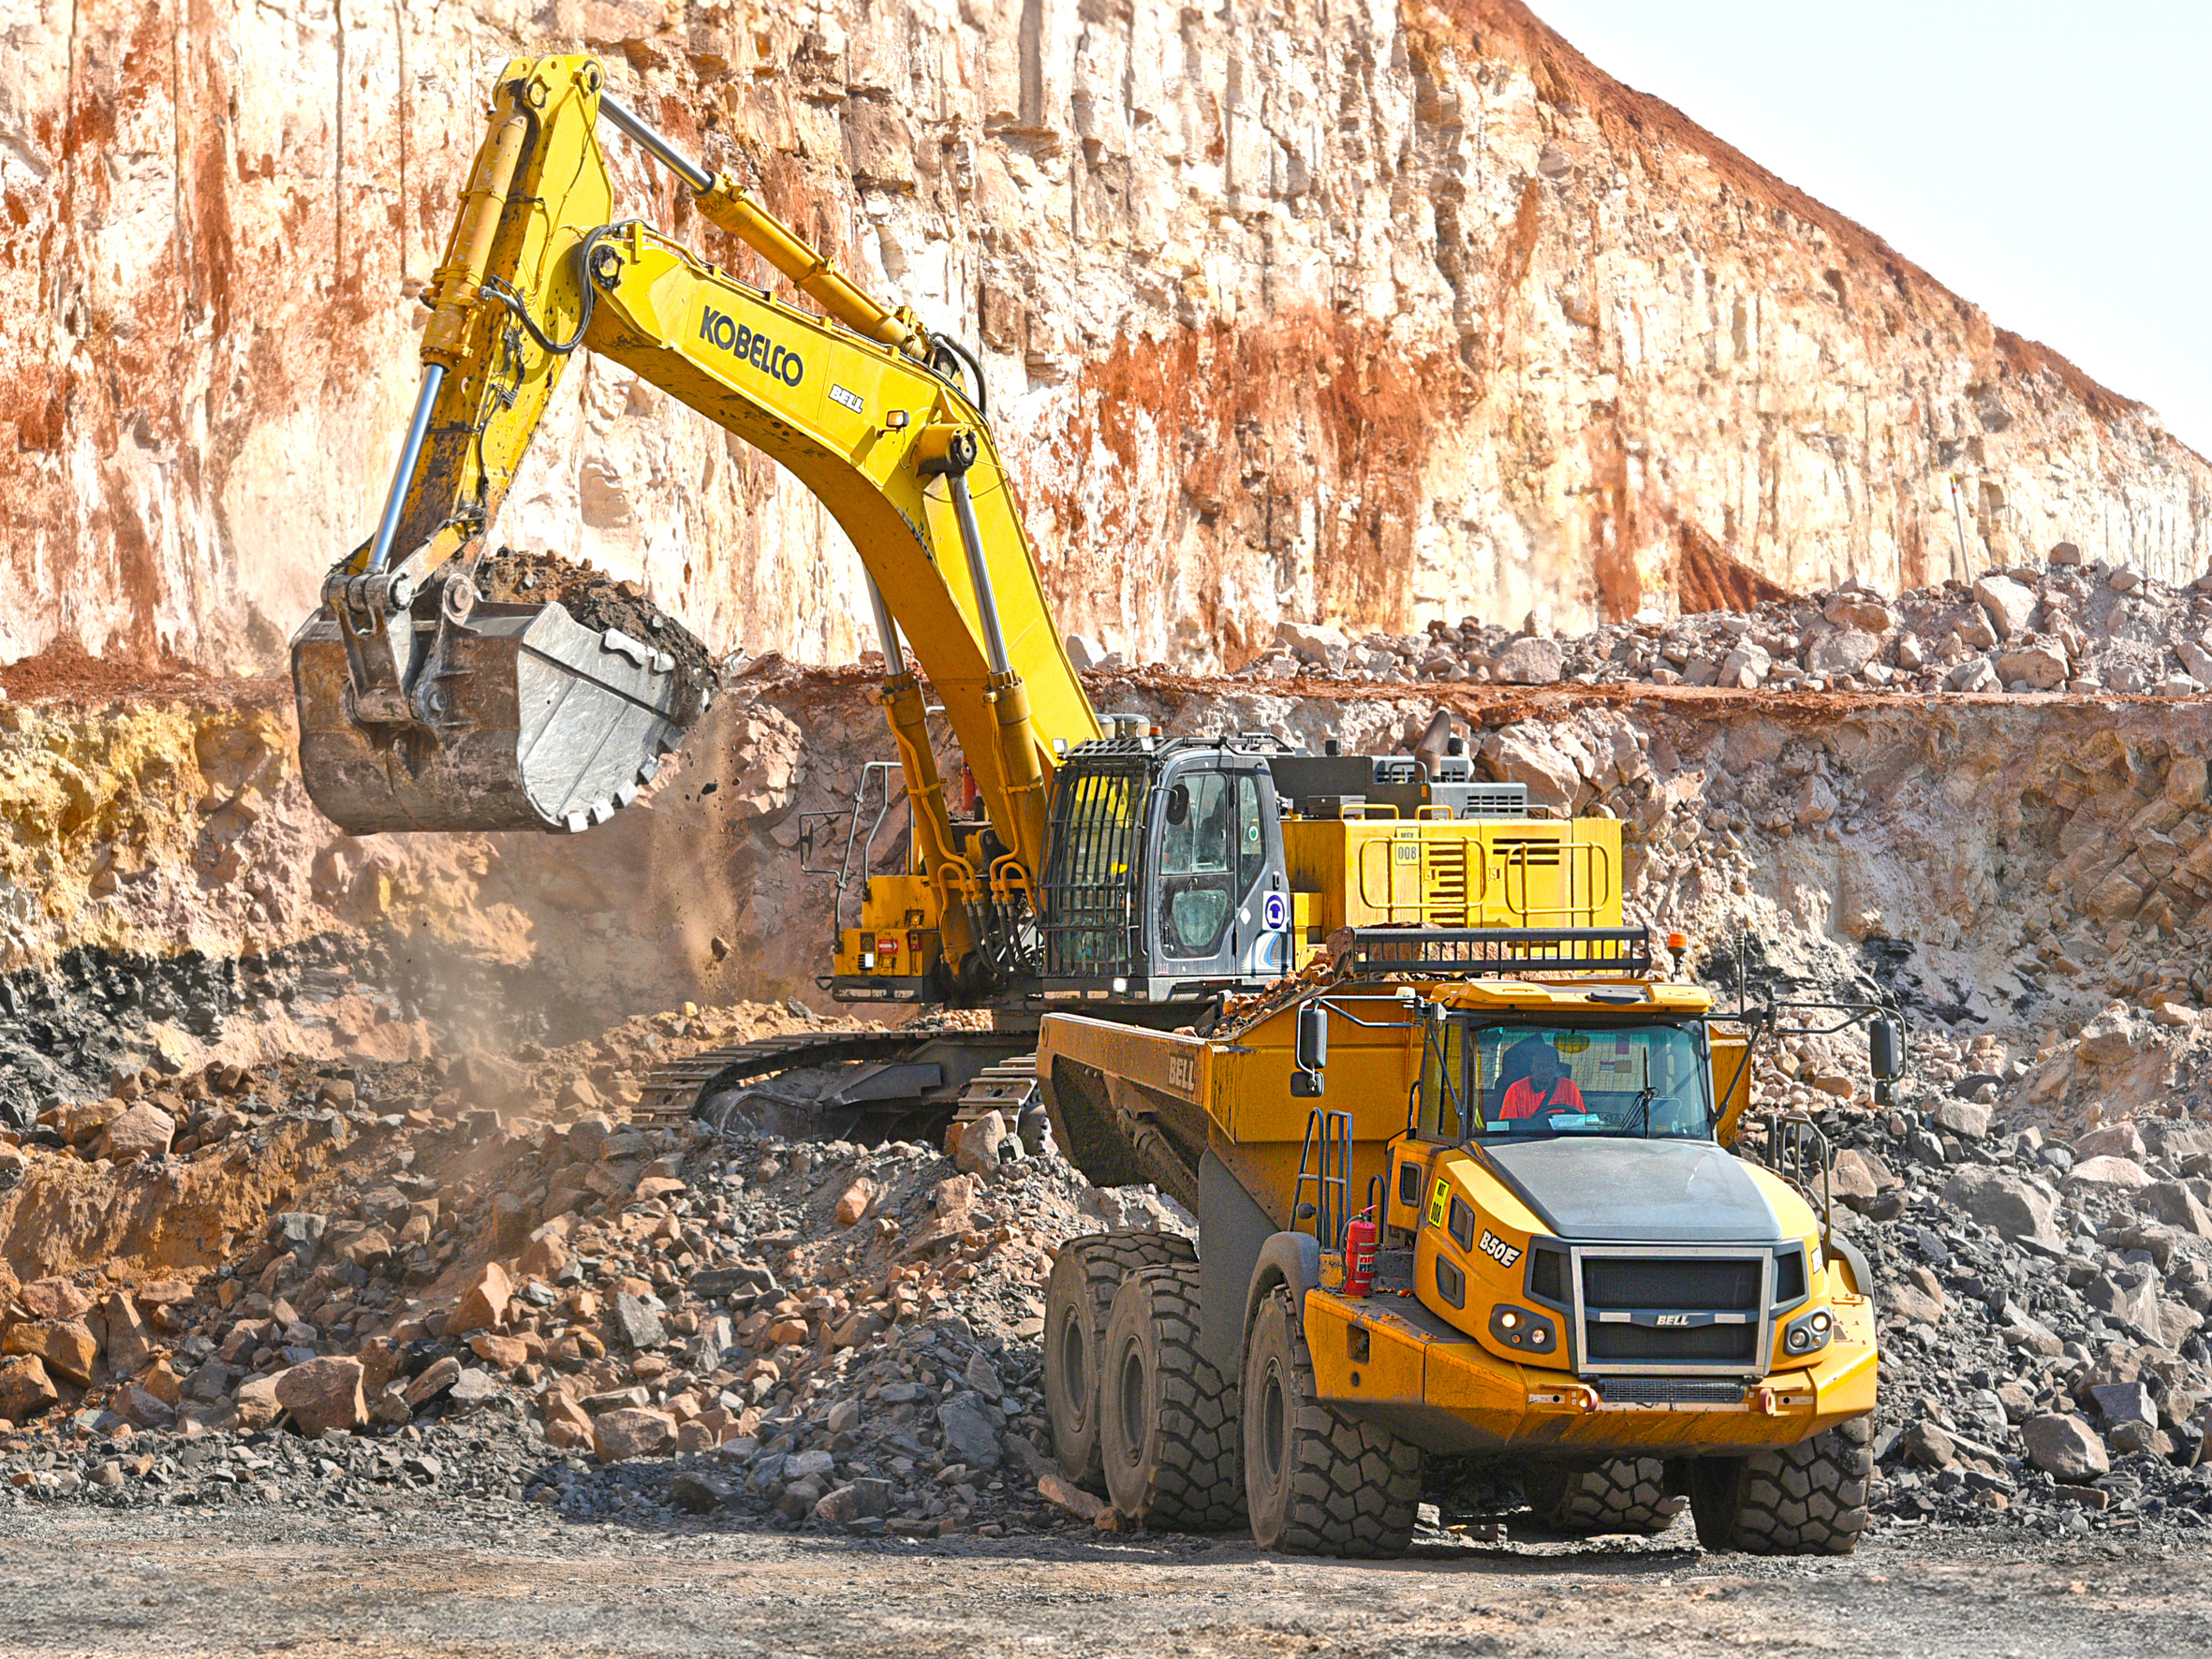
[(1521, 1081)]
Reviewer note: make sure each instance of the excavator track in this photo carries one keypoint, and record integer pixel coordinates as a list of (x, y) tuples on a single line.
[(907, 1084)]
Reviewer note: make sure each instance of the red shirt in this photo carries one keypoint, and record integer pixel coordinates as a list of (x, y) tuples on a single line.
[(1524, 1100)]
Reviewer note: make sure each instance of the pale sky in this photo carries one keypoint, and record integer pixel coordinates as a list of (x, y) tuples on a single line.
[(2047, 162)]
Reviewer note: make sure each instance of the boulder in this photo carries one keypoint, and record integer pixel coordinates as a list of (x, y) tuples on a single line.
[(2123, 1174), (2065, 1447), (630, 1433), (1962, 1119), (1927, 1446), (587, 1134), (52, 1298), (1513, 757), (2040, 667), (323, 1395), (970, 1433), (1531, 662), (483, 1305), (978, 1149), (545, 1255), (1845, 651), (142, 1131), (639, 1325), (65, 1345), (437, 1379), (1311, 643), (2129, 1295), (2003, 1201), (25, 1389), (508, 1354), (2172, 1203), (566, 1423), (2008, 604), (301, 1232), (2125, 1402), (857, 1500), (130, 1350), (1744, 667), (143, 1410), (696, 1493), (255, 1401), (1856, 608), (2112, 1140)]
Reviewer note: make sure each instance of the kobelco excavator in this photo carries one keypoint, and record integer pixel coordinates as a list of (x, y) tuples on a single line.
[(1558, 1265)]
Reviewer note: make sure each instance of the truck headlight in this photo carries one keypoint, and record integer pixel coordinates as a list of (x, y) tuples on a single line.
[(1808, 1333), (1518, 1328)]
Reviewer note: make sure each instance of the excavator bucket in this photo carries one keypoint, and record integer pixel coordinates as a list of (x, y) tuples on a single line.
[(515, 717)]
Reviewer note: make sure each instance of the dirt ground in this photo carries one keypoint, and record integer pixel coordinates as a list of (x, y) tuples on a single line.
[(72, 1582)]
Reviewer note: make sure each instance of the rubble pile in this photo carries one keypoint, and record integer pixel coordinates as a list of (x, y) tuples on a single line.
[(2042, 1307), (455, 1297), (2065, 626)]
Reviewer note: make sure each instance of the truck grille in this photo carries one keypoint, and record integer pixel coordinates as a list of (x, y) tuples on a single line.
[(1696, 1345), (1670, 1284), (1657, 1313)]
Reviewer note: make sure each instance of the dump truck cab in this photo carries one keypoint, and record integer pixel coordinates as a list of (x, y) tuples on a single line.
[(1475, 1192)]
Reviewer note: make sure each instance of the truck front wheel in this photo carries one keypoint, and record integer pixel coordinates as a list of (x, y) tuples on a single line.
[(1167, 1418), (1077, 1299), (1316, 1483), (1807, 1499)]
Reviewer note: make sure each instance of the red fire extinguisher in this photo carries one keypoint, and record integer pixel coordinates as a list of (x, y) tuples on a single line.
[(1361, 1236)]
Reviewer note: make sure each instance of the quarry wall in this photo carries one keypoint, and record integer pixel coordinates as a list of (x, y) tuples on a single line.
[(1363, 313)]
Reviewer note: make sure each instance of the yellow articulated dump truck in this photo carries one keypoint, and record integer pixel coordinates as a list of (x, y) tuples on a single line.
[(1468, 1193)]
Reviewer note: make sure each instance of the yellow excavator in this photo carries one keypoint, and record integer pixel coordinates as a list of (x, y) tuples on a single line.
[(1504, 1224)]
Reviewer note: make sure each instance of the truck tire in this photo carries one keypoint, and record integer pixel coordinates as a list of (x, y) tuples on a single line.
[(1316, 1483), (1078, 1297), (1168, 1427), (1624, 1496), (1807, 1499)]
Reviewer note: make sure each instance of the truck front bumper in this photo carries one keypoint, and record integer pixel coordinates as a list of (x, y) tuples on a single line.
[(1444, 1391)]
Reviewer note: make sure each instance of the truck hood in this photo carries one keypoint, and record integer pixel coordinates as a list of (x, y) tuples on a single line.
[(1654, 1192)]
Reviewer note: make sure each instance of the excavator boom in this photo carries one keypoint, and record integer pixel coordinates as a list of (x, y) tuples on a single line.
[(422, 709)]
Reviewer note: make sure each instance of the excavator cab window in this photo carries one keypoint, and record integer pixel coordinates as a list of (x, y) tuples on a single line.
[(1198, 864)]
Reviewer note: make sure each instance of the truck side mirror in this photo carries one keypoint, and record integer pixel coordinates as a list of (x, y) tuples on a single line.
[(1885, 1056), (1310, 1051)]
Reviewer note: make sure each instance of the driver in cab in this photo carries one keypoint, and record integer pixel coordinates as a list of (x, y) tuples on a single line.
[(1544, 1086)]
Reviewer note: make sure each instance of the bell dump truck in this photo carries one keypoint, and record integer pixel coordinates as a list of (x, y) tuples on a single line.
[(1469, 1194)]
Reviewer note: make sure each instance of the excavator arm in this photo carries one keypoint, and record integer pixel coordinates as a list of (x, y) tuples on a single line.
[(418, 705)]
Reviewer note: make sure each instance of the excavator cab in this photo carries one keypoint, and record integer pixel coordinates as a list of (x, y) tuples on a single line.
[(1166, 880)]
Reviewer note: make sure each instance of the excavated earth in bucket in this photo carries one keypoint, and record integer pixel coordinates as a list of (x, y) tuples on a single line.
[(558, 696)]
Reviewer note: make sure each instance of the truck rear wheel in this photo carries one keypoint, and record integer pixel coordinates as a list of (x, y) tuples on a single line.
[(1168, 1426), (1078, 1298), (1623, 1495), (1807, 1499), (1316, 1483)]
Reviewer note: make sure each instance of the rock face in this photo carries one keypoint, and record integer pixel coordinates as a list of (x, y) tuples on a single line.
[(1438, 319)]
